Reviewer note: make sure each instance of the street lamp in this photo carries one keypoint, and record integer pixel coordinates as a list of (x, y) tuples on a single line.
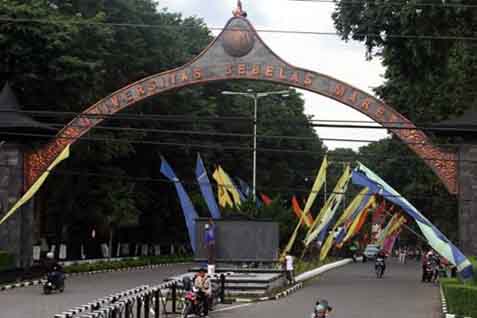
[(256, 96)]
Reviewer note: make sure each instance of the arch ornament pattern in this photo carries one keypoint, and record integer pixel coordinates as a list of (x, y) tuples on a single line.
[(239, 53)]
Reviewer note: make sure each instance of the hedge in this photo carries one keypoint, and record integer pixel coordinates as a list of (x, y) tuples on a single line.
[(461, 299), (143, 261), (7, 261)]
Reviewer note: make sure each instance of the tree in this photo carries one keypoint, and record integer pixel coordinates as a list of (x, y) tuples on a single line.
[(65, 55), (430, 71)]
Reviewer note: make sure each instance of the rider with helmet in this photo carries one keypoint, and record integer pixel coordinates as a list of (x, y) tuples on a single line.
[(204, 288), (322, 309)]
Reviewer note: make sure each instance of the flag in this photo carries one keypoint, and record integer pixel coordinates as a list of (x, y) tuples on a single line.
[(319, 181), (38, 183), (378, 215), (266, 199), (358, 222), (224, 181), (299, 212), (393, 226), (222, 193), (244, 188), (338, 228), (331, 206), (190, 215), (206, 188), (363, 176)]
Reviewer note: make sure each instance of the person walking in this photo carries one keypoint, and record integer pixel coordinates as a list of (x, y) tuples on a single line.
[(209, 238), (289, 268), (402, 255)]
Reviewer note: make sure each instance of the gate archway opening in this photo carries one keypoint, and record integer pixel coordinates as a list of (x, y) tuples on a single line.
[(237, 53)]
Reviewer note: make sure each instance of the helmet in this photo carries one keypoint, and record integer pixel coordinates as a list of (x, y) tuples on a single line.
[(49, 255)]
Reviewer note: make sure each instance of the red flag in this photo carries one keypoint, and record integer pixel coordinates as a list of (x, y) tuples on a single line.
[(298, 211), (266, 200), (378, 215)]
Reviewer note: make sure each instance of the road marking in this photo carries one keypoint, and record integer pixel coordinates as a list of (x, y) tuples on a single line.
[(232, 307)]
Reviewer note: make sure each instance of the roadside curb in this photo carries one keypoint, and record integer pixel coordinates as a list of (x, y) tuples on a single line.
[(317, 271), (126, 269), (445, 310)]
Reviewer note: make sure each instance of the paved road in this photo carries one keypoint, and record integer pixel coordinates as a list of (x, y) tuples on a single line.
[(29, 302), (354, 292)]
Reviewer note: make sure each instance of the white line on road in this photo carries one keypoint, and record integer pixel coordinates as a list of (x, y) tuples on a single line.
[(232, 307)]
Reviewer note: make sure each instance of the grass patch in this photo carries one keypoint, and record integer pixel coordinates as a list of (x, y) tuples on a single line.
[(461, 299), (461, 296), (302, 266), (7, 261)]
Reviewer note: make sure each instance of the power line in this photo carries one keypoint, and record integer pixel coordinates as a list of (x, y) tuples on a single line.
[(59, 171), (444, 4), (273, 31), (220, 147)]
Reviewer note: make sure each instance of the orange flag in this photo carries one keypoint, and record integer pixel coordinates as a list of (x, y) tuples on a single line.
[(298, 211)]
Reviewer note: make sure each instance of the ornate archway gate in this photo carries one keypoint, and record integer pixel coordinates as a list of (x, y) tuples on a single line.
[(239, 53)]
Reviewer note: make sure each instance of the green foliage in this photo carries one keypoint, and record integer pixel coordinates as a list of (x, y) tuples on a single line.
[(126, 263), (7, 261), (461, 299), (76, 59), (302, 266), (427, 80)]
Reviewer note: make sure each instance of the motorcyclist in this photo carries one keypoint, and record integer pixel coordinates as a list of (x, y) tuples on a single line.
[(204, 288), (54, 270), (381, 256), (426, 264), (322, 309)]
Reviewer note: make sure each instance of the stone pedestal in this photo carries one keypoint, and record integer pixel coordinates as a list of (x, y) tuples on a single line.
[(16, 234), (468, 199)]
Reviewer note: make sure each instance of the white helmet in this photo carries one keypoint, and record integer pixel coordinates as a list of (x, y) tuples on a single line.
[(49, 255)]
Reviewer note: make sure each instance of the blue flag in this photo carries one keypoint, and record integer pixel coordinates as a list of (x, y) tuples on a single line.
[(363, 176), (190, 214), (206, 188), (247, 192)]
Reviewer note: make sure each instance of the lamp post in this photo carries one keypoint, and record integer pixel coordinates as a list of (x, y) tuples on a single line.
[(256, 96)]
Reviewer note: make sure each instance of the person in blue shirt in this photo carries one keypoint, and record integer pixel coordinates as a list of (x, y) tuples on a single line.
[(209, 239)]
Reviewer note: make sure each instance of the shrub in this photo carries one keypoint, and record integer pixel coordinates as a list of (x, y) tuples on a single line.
[(143, 261), (461, 299), (7, 261)]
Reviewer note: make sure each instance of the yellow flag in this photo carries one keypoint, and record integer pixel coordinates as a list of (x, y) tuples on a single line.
[(395, 223), (229, 186), (330, 207), (358, 221), (319, 181), (325, 248), (35, 186), (222, 194)]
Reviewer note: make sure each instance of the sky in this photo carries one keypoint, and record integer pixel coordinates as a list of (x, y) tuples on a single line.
[(324, 54)]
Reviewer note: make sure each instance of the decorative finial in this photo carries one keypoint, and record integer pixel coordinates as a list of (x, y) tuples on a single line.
[(238, 12)]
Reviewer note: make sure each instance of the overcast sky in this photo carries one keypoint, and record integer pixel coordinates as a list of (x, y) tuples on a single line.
[(324, 54)]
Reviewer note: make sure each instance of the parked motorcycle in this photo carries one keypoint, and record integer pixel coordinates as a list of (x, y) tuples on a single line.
[(379, 267), (55, 281)]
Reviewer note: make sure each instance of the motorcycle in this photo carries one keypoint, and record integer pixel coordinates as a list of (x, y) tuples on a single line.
[(193, 305), (428, 272), (322, 310), (379, 267), (55, 281)]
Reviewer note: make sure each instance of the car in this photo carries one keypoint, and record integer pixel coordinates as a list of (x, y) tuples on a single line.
[(371, 251)]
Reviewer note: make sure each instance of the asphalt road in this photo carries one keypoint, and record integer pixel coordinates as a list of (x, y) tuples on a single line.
[(354, 292), (29, 302)]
